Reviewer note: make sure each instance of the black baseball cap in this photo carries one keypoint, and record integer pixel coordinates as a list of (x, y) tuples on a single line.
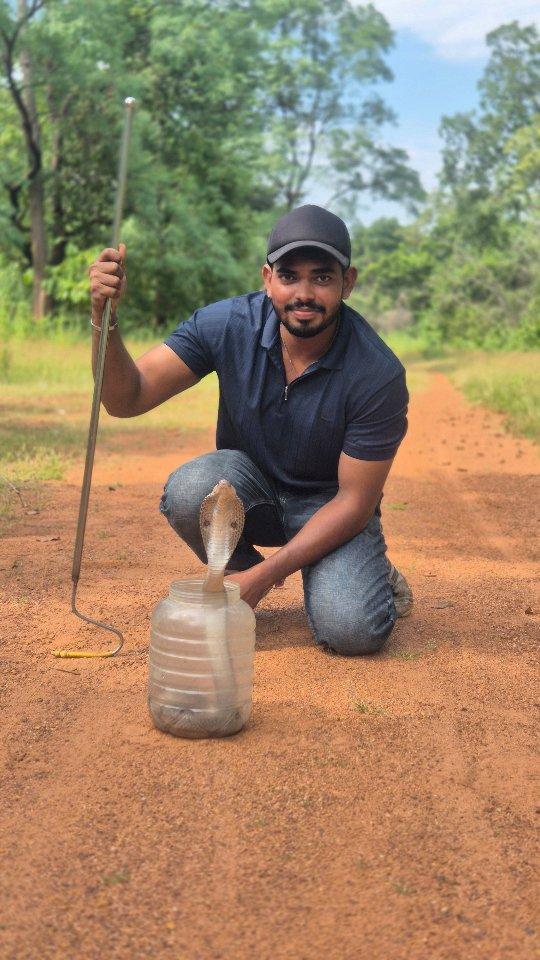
[(310, 226)]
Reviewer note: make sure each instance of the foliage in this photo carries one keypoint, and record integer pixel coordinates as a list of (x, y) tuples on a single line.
[(46, 386), (467, 269), (505, 382), (322, 63), (241, 105), (227, 93)]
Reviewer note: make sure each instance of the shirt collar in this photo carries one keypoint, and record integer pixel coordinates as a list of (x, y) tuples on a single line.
[(332, 359)]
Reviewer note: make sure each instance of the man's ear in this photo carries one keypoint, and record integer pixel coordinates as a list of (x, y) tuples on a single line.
[(349, 279), (266, 273)]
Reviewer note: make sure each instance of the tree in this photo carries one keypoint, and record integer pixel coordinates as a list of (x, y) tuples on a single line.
[(509, 101), (323, 58), (196, 139), (221, 87), (15, 52)]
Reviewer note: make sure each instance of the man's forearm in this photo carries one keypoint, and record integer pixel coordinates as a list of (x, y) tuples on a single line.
[(121, 379), (336, 522)]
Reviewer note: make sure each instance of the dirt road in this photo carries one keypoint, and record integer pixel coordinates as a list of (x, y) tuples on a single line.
[(373, 809)]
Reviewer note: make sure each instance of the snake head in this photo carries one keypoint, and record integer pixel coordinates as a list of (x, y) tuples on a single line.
[(221, 521)]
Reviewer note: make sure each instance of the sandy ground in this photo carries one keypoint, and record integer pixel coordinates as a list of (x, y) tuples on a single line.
[(321, 831)]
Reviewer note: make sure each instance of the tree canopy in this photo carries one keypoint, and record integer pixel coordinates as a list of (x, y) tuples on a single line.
[(467, 268), (241, 104), (245, 107)]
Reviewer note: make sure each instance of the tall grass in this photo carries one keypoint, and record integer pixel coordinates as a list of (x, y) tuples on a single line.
[(46, 393), (508, 383), (46, 389)]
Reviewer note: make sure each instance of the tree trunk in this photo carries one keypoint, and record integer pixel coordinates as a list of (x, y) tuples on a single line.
[(36, 198), (59, 238)]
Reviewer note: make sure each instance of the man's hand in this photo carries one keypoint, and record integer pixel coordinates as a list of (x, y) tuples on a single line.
[(254, 583), (360, 486), (107, 280), (345, 515)]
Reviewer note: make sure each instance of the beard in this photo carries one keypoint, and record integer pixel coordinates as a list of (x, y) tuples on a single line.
[(305, 329)]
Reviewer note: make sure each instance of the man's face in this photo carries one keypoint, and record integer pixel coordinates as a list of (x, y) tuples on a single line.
[(306, 288)]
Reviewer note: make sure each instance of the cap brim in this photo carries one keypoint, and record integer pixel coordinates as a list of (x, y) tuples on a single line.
[(297, 244)]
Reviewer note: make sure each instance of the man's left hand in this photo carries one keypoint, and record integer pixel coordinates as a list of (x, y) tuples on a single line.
[(253, 583)]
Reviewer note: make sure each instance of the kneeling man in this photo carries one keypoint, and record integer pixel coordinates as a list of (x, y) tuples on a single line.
[(312, 409)]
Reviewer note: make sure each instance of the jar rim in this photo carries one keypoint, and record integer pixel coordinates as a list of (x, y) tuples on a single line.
[(191, 591)]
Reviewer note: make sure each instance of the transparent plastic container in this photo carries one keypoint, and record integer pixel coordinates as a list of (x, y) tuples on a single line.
[(201, 661)]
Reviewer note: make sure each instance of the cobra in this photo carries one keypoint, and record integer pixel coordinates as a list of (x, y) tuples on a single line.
[(221, 520)]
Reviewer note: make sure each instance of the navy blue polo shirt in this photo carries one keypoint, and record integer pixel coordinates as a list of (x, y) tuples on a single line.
[(353, 399)]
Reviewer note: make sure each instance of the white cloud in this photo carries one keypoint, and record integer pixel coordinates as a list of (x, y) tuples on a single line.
[(456, 29)]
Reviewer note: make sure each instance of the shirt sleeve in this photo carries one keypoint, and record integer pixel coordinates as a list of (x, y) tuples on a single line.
[(190, 344), (376, 430)]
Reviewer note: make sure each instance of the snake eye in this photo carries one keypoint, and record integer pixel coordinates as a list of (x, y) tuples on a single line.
[(206, 523)]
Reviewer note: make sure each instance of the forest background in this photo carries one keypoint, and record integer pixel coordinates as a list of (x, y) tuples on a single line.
[(245, 109)]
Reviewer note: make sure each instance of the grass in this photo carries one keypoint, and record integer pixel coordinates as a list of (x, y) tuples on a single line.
[(45, 407), (46, 387), (46, 395), (112, 879), (411, 654), (364, 707), (409, 347), (404, 889), (413, 353), (505, 382)]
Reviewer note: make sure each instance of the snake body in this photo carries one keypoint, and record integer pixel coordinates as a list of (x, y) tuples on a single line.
[(221, 521)]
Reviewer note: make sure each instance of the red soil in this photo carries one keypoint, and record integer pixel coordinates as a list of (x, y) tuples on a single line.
[(403, 832)]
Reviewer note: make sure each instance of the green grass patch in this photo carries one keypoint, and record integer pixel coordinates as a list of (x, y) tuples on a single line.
[(404, 889), (46, 388), (415, 355), (505, 382), (45, 409), (410, 347), (112, 879)]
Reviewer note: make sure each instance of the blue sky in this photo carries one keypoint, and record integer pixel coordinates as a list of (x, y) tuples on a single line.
[(437, 60)]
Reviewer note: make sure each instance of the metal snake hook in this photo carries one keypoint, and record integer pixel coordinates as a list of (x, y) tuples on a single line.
[(129, 104)]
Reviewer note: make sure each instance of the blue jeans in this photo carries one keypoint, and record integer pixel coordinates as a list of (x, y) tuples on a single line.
[(347, 594)]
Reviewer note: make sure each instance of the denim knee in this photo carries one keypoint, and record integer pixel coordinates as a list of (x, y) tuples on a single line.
[(352, 632), (187, 486), (182, 493)]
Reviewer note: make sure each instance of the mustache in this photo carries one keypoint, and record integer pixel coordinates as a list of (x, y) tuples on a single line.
[(308, 305)]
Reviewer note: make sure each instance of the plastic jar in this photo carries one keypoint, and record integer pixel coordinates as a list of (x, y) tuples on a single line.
[(201, 661)]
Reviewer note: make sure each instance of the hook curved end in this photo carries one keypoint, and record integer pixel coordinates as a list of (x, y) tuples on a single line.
[(80, 654)]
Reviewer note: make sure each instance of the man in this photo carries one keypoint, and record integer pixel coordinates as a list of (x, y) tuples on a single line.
[(312, 410)]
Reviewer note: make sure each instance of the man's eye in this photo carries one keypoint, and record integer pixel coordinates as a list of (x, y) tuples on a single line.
[(286, 277), (324, 277)]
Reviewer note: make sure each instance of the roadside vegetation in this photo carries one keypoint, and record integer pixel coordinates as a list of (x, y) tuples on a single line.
[(505, 381), (457, 288), (47, 388), (46, 393)]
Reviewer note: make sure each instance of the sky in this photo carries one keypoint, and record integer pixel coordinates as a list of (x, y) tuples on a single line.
[(437, 60)]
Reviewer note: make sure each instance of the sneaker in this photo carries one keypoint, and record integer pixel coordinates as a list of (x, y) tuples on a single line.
[(403, 598)]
